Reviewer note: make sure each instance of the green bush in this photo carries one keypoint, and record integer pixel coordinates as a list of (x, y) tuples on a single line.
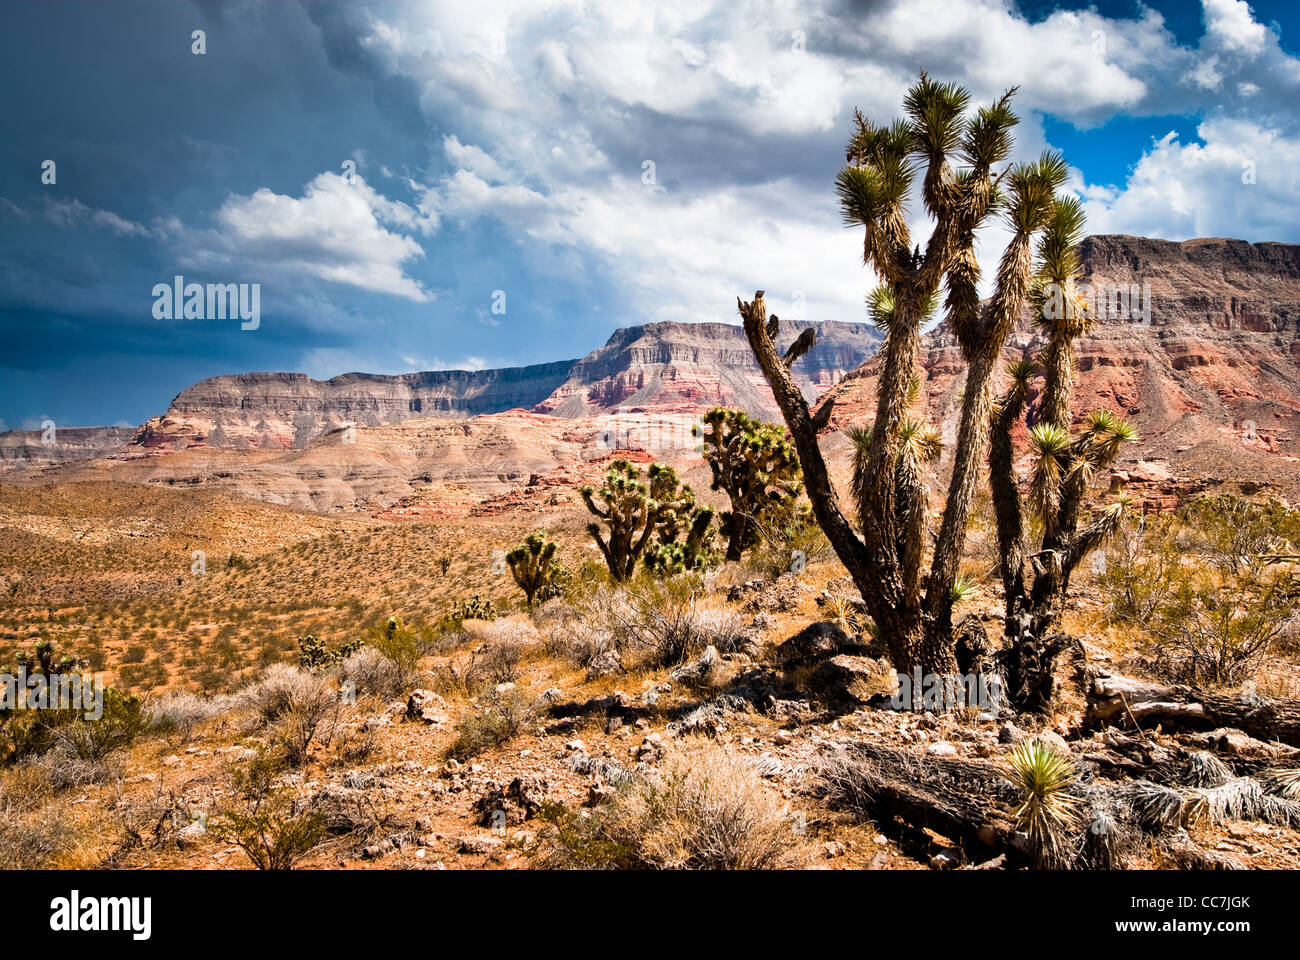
[(499, 721), (273, 828), (1205, 586)]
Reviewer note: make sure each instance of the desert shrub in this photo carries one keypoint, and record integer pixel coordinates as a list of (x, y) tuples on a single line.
[(299, 708), (1202, 586), (64, 770), (403, 643), (35, 840), (451, 678), (664, 623), (353, 745), (266, 821), (788, 540), (498, 720), (1140, 569), (179, 712), (270, 697), (143, 676), (503, 643), (152, 820), (705, 809), (307, 723), (372, 673), (1235, 534), (496, 662), (94, 739), (1219, 634), (582, 642)]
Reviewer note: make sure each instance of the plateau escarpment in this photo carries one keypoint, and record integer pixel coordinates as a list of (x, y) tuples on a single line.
[(21, 449), (675, 367), (661, 367), (286, 410)]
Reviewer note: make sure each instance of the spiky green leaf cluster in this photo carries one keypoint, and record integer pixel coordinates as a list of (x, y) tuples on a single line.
[(1048, 812)]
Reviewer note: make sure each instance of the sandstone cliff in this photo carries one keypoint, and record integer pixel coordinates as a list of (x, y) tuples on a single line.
[(690, 367), (661, 367), (21, 449)]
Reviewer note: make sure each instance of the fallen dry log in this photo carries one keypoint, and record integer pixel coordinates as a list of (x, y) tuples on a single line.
[(1117, 700), (969, 802), (972, 803)]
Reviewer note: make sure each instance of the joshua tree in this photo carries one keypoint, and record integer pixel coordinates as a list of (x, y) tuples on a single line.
[(46, 658), (634, 511), (532, 563), (953, 157), (668, 555), (756, 466), (1036, 584)]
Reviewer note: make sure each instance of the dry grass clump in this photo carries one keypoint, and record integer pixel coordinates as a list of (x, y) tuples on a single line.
[(62, 769), (705, 809), (299, 708), (179, 712), (371, 673), (34, 840), (517, 629), (647, 625), (588, 645)]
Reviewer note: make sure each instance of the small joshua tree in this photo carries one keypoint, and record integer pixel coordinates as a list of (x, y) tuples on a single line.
[(758, 469), (1049, 813), (634, 511), (532, 564), (1064, 464), (45, 658)]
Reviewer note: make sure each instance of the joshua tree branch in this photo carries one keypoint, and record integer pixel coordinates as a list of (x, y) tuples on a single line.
[(852, 552)]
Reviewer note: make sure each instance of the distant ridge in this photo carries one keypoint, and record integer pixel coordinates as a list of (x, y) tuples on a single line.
[(659, 367)]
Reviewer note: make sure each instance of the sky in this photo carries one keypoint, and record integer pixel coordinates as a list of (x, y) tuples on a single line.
[(418, 186)]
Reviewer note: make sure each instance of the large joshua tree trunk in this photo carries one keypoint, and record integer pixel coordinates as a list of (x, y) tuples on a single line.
[(874, 574), (982, 339)]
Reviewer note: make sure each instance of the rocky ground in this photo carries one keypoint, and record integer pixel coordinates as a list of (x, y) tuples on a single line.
[(409, 805)]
